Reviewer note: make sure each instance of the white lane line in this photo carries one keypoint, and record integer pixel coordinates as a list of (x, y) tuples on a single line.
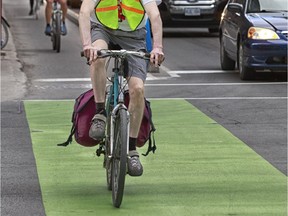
[(222, 98), (200, 72), (215, 84), (184, 98), (64, 80), (149, 77), (163, 84)]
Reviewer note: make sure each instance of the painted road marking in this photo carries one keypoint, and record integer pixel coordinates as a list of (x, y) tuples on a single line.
[(176, 73)]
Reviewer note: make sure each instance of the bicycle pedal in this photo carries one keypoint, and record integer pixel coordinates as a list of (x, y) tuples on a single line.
[(100, 151)]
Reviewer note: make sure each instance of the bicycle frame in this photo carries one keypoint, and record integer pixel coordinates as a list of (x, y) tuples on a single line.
[(116, 93)]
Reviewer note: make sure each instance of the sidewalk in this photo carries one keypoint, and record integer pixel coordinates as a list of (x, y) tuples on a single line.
[(12, 77)]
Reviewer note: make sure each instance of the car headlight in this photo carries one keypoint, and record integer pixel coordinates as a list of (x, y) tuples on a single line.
[(262, 34)]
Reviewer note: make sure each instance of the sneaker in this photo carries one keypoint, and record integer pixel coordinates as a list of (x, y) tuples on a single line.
[(97, 129), (135, 167), (48, 30), (63, 29)]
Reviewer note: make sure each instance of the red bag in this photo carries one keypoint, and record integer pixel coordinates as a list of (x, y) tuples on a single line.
[(84, 110)]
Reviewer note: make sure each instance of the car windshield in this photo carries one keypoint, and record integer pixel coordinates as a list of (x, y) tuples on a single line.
[(256, 6)]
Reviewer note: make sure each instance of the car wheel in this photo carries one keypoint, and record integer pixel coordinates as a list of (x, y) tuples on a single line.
[(226, 62), (246, 73)]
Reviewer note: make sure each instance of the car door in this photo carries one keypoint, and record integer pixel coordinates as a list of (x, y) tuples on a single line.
[(233, 22)]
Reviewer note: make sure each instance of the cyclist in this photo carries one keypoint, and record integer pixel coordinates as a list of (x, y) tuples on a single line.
[(31, 12), (48, 14), (122, 23)]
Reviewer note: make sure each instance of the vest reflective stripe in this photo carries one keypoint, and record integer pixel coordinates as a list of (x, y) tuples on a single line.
[(107, 13), (132, 9), (106, 9)]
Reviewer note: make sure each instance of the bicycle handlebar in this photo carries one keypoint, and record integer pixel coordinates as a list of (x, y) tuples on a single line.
[(120, 53)]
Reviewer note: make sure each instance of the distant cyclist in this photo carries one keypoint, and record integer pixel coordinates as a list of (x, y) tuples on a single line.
[(32, 6), (48, 14)]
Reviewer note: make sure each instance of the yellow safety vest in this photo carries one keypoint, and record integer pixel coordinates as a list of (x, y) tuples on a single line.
[(111, 12)]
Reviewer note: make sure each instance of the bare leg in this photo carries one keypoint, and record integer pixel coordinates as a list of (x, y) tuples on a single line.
[(136, 105), (48, 12), (98, 74), (64, 9)]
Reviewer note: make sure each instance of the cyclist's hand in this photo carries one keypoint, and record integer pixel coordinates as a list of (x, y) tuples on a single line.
[(157, 56), (90, 53)]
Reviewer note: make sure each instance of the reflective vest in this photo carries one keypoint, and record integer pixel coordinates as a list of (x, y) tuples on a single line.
[(111, 12)]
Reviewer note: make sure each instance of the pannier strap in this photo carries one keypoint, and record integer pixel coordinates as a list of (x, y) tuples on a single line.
[(70, 138), (150, 147)]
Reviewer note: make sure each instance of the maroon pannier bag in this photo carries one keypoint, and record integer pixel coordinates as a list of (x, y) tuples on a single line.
[(84, 110)]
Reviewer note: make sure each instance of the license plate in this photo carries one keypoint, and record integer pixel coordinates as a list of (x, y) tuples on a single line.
[(192, 12)]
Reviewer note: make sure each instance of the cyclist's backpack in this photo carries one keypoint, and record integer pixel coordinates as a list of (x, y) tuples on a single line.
[(84, 110)]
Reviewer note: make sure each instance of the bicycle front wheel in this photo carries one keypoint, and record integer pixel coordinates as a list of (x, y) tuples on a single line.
[(57, 32), (4, 33), (119, 158)]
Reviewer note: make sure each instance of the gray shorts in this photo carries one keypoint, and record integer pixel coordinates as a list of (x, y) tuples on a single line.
[(135, 40)]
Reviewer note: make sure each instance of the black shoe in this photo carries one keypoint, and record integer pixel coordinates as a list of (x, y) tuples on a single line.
[(31, 12)]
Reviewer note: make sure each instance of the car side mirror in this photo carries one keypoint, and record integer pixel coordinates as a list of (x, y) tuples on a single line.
[(234, 7)]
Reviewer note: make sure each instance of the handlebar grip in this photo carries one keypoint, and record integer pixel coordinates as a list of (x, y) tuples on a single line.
[(147, 55), (98, 53)]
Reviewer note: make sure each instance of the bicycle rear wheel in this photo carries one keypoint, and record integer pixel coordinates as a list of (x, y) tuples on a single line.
[(119, 159)]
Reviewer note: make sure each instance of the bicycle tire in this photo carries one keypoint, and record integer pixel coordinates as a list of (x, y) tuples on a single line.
[(4, 33), (119, 158), (108, 166), (53, 33), (107, 162), (57, 31)]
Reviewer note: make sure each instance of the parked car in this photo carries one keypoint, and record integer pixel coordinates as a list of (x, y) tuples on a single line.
[(253, 34), (192, 13)]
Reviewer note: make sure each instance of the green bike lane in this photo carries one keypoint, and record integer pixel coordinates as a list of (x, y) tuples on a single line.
[(199, 168)]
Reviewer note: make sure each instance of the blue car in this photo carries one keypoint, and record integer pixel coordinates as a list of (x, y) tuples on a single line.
[(254, 34)]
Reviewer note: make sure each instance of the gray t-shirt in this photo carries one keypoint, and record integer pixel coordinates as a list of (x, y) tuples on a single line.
[(124, 24)]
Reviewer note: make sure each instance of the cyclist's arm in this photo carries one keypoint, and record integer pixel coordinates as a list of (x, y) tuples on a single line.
[(87, 7), (153, 13)]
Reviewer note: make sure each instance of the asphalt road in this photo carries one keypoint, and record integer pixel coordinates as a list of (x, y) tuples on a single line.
[(255, 111)]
